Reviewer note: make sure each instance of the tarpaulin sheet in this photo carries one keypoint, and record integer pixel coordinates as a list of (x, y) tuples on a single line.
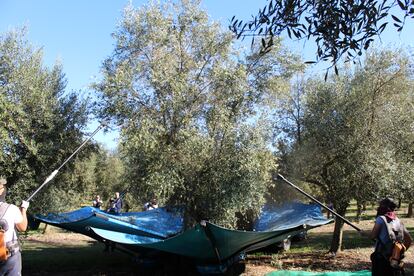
[(289, 215), (208, 243), (160, 223), (162, 229), (309, 273)]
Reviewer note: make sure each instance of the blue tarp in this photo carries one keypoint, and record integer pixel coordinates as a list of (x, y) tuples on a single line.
[(160, 223), (289, 215), (162, 230)]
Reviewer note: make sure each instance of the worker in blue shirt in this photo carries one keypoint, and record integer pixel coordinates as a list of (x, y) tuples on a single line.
[(117, 203)]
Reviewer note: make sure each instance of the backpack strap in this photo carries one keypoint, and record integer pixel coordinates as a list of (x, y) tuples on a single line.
[(3, 209), (394, 234), (400, 234), (391, 233)]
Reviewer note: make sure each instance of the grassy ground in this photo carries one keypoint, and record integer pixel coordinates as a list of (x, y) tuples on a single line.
[(63, 253), (311, 253)]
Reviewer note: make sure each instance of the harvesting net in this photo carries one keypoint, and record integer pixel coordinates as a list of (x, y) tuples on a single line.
[(162, 230)]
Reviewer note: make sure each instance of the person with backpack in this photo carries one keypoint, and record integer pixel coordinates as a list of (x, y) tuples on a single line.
[(12, 218), (392, 240)]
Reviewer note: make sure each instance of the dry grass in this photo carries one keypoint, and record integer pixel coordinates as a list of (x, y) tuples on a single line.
[(64, 253), (311, 254)]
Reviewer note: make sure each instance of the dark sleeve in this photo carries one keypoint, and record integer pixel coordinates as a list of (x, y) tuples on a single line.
[(119, 204)]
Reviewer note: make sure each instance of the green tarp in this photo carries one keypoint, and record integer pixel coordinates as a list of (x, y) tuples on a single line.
[(162, 230), (209, 242), (329, 273)]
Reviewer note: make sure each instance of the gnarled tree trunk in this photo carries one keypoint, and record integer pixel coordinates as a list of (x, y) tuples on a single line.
[(410, 210), (359, 211), (336, 242)]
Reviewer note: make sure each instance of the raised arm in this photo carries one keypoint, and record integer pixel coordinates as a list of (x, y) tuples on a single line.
[(22, 226)]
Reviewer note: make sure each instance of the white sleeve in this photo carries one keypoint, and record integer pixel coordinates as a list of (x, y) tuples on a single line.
[(17, 215)]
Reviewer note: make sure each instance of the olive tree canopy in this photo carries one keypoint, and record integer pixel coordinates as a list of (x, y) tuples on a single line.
[(193, 110), (340, 28)]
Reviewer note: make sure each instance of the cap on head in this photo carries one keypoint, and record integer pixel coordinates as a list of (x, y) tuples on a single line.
[(3, 182), (389, 202)]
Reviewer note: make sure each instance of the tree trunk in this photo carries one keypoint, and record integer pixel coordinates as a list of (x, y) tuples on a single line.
[(410, 210), (359, 212), (45, 229), (336, 242)]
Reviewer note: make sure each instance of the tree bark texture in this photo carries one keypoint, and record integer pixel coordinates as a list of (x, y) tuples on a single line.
[(336, 242), (359, 212), (410, 210)]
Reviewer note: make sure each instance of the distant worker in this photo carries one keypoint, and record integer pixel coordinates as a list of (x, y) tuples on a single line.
[(118, 203), (11, 219), (111, 205), (392, 239), (97, 202), (151, 205)]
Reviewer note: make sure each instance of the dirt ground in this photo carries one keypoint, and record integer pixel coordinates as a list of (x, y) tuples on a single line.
[(352, 259)]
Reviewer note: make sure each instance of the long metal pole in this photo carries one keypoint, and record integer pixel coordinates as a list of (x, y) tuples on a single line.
[(53, 174), (320, 203)]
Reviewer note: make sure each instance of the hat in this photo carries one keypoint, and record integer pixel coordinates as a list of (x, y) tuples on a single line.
[(389, 202), (3, 181)]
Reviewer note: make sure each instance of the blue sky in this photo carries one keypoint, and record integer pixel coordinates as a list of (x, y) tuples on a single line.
[(78, 33)]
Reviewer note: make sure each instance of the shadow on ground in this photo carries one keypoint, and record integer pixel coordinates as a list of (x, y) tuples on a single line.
[(91, 260), (321, 241)]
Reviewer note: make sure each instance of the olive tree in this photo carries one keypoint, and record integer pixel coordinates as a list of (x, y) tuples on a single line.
[(40, 124), (349, 147), (340, 29), (193, 111)]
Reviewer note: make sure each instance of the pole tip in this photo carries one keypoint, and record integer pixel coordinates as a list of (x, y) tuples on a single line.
[(105, 122)]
